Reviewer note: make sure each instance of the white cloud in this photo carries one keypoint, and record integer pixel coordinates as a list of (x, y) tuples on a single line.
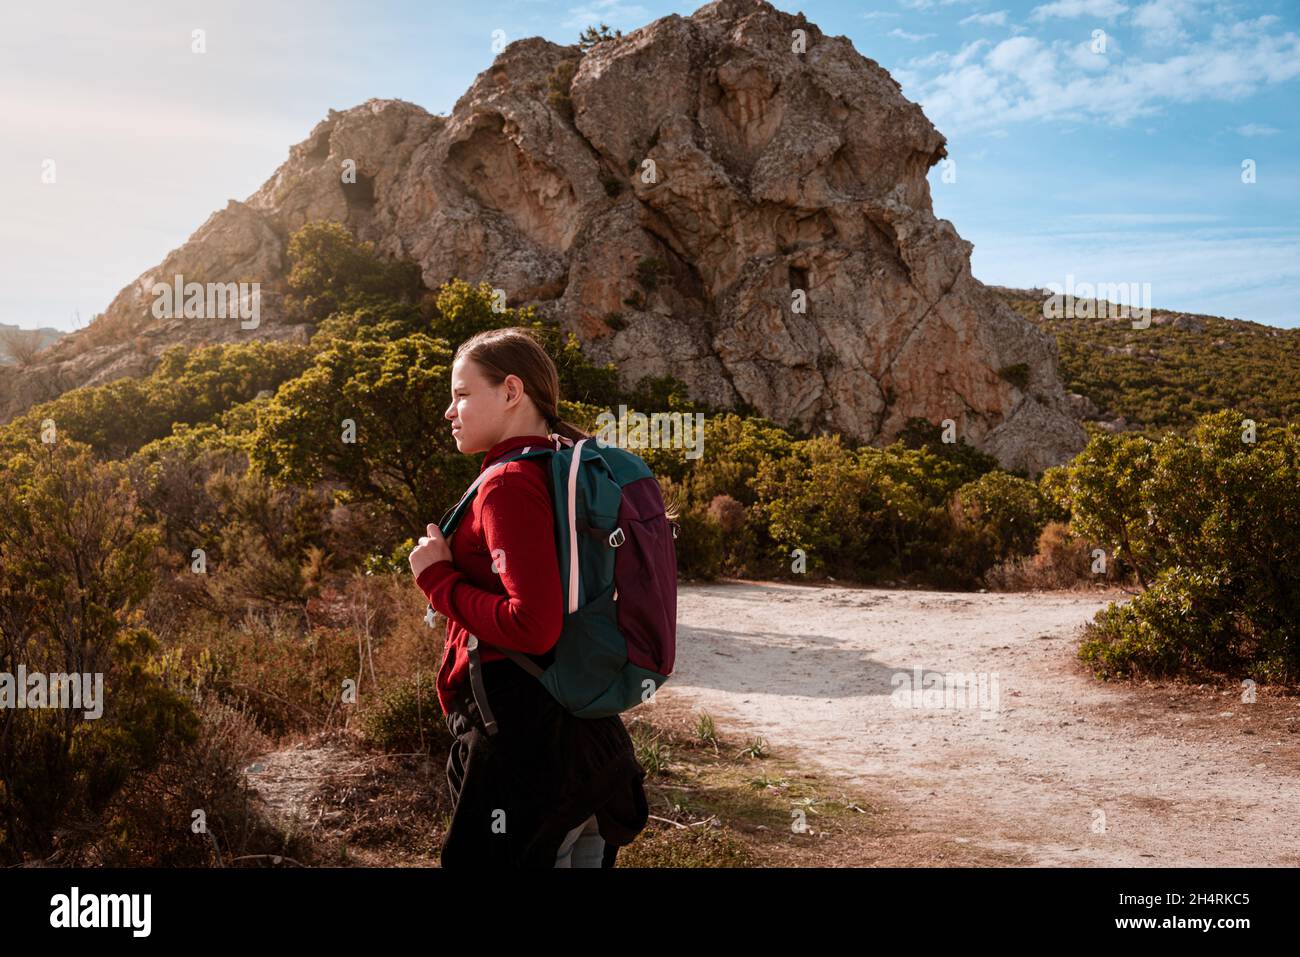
[(960, 58), (1025, 58), (877, 15), (1007, 54), (998, 19), (1082, 56), (909, 37), (1069, 9), (966, 91), (969, 50), (1161, 21), (1243, 29), (1026, 78), (929, 60), (1257, 129)]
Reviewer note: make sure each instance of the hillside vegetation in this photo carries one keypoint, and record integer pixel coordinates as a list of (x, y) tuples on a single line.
[(1180, 367)]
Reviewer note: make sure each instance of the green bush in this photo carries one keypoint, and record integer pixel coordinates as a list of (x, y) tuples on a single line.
[(1006, 513), (185, 388), (331, 270), (1176, 626), (699, 546), (261, 545), (559, 84), (593, 35), (813, 500), (962, 461), (1102, 490), (406, 717), (396, 561), (77, 561), (931, 514), (1212, 523)]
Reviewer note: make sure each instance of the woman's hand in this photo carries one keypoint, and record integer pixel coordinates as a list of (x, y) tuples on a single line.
[(431, 548)]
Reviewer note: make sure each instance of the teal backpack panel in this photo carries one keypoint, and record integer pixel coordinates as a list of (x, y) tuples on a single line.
[(591, 675)]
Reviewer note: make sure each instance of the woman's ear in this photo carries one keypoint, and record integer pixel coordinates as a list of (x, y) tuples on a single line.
[(514, 389)]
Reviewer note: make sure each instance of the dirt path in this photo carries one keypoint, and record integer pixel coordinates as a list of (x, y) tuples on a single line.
[(1065, 770)]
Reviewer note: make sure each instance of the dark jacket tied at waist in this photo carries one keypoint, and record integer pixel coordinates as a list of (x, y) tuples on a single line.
[(544, 772)]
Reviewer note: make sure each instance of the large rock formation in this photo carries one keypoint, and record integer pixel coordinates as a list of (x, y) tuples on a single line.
[(699, 171)]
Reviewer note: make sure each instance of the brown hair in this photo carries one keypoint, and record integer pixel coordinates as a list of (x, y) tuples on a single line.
[(515, 351)]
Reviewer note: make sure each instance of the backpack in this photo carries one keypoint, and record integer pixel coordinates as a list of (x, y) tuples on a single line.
[(618, 570)]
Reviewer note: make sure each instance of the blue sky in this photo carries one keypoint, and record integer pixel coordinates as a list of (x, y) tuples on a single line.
[(1123, 165)]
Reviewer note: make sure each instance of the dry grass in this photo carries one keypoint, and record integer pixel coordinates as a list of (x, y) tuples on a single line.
[(1061, 561), (22, 345)]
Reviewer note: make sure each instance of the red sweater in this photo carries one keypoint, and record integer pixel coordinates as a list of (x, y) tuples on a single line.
[(520, 608)]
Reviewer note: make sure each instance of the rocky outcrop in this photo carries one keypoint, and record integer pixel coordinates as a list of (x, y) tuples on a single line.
[(708, 200), (236, 244)]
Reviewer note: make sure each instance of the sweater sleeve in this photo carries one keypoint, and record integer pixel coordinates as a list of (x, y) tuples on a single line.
[(517, 526)]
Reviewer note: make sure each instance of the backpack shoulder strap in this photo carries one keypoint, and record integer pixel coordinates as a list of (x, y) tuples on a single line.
[(447, 525), (451, 518)]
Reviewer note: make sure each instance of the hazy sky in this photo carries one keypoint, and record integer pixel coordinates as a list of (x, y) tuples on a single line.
[(1115, 166)]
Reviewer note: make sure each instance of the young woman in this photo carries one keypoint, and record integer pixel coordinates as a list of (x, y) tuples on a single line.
[(547, 789)]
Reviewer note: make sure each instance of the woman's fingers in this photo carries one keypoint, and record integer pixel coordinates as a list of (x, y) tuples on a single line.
[(429, 549)]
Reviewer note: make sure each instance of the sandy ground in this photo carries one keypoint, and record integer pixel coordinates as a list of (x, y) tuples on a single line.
[(1056, 768)]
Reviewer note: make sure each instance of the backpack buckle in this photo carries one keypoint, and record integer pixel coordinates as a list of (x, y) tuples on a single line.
[(616, 537)]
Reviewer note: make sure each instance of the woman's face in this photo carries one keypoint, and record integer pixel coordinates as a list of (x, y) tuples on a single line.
[(482, 414), (477, 410)]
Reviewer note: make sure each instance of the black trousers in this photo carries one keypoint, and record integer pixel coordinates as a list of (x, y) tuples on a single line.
[(518, 792)]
